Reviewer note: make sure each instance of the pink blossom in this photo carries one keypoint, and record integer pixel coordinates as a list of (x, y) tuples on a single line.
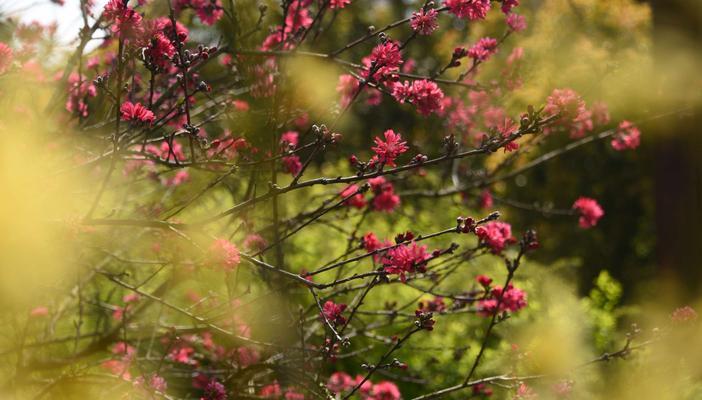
[(506, 129), (524, 392), (388, 150), (493, 116), (255, 242), (40, 311), (424, 21), (182, 354), (385, 390), (486, 200), (136, 113), (384, 61), (289, 138), (332, 312), (247, 356), (508, 5), (291, 394), (338, 3), (436, 304), (208, 11), (512, 300), (178, 179), (424, 94), (5, 57), (214, 391), (468, 9), (483, 49), (125, 21), (164, 151), (224, 254), (600, 113), (589, 210), (573, 115), (240, 105), (406, 258), (563, 388), (160, 51), (484, 280), (516, 22), (357, 200), (271, 391), (340, 382), (347, 87), (292, 164), (386, 200), (627, 137), (683, 315), (371, 242), (496, 235)]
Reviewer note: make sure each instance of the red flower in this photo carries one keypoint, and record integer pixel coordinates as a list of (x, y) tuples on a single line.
[(224, 254), (338, 3), (628, 136), (347, 87), (483, 49), (573, 115), (513, 300), (468, 9), (271, 391), (160, 51), (424, 94), (386, 200), (590, 212), (255, 242), (356, 201), (136, 113), (516, 22), (506, 128), (388, 150), (384, 61), (332, 312), (424, 22), (486, 200), (508, 5), (292, 164), (125, 21), (484, 280), (5, 57), (385, 390), (496, 235), (209, 11), (405, 259), (289, 138), (683, 315), (339, 382), (600, 113)]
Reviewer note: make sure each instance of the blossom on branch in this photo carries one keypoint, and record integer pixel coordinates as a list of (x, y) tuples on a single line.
[(135, 112), (424, 21), (387, 151), (468, 9), (589, 210)]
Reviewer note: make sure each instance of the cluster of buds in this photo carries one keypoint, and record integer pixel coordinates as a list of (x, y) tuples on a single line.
[(424, 320), (530, 240), (458, 54), (465, 225), (450, 144), (330, 349), (419, 159), (202, 53), (404, 237), (326, 136), (394, 364)]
